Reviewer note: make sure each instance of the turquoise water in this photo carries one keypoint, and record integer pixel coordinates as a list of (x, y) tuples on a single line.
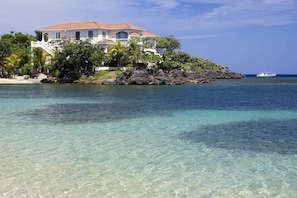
[(230, 138)]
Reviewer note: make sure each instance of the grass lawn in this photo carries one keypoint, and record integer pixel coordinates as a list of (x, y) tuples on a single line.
[(101, 75)]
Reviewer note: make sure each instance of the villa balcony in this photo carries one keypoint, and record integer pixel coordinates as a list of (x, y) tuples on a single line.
[(46, 46), (124, 41)]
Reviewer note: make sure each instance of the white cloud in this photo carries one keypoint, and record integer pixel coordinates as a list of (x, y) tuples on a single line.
[(157, 16), (168, 4), (243, 13)]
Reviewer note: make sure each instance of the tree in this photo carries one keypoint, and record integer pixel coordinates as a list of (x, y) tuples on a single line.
[(150, 42), (97, 55), (78, 59), (166, 45), (40, 58), (182, 57), (118, 51), (5, 51), (11, 63), (18, 44), (135, 52), (38, 35), (22, 47), (150, 57)]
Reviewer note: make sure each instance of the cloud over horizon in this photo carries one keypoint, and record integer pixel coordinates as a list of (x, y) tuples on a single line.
[(177, 15)]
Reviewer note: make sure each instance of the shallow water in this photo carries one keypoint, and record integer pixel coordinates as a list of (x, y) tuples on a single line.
[(230, 138)]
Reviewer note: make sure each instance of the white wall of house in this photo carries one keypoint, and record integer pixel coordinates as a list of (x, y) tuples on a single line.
[(98, 34), (98, 37), (71, 35)]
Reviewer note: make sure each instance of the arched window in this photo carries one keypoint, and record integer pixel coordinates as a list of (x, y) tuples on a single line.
[(122, 35)]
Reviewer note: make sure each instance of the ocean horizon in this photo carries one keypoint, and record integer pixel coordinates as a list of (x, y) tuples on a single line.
[(228, 138), (277, 75)]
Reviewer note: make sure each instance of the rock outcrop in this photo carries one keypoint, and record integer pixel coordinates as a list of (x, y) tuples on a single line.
[(156, 77), (172, 77)]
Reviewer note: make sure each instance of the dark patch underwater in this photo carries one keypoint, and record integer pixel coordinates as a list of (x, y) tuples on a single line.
[(79, 113), (269, 136)]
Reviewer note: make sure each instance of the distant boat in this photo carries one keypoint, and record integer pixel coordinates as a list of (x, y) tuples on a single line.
[(266, 74)]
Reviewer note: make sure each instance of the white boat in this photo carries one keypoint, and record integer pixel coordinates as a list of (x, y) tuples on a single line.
[(266, 74)]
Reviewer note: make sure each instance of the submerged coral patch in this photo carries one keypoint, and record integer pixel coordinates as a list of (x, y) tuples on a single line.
[(277, 136), (77, 113)]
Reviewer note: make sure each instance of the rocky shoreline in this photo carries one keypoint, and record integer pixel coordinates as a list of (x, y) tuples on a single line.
[(161, 77)]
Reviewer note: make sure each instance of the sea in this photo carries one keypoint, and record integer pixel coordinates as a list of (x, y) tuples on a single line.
[(227, 138)]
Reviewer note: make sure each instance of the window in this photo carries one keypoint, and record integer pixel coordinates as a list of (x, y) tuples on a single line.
[(58, 35), (122, 35), (77, 36), (90, 34), (104, 34), (45, 37)]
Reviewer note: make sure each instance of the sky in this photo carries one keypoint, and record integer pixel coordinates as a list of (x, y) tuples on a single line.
[(248, 36)]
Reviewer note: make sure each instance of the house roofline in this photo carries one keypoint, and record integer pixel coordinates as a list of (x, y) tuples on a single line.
[(105, 41), (90, 25)]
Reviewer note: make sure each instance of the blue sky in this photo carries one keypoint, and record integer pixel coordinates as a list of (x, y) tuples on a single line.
[(249, 36)]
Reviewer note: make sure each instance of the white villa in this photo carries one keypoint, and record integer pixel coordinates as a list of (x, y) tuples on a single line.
[(98, 33)]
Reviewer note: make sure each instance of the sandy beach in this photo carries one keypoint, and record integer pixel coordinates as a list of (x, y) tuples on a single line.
[(18, 80)]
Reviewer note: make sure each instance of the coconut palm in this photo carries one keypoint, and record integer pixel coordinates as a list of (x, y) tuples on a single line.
[(11, 63), (118, 51), (135, 51), (40, 58)]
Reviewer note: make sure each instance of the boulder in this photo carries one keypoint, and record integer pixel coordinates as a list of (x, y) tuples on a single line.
[(161, 78), (140, 77), (41, 76)]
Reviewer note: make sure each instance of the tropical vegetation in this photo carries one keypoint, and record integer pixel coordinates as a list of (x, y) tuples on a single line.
[(81, 59)]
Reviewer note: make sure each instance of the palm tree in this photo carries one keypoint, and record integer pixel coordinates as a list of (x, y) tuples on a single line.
[(11, 63), (135, 51), (41, 59), (117, 50)]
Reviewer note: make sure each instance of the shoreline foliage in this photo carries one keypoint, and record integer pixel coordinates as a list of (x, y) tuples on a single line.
[(81, 59)]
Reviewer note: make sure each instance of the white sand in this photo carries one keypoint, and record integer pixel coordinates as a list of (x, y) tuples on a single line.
[(18, 80)]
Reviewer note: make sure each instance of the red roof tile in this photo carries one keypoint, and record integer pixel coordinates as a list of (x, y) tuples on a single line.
[(106, 41), (124, 26), (90, 25), (144, 34), (148, 34)]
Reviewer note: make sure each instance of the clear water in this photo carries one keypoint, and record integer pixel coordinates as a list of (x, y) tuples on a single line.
[(230, 138)]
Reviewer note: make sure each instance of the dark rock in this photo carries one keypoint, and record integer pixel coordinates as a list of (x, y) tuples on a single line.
[(139, 77), (49, 79), (172, 77), (65, 80), (156, 77), (225, 75), (161, 78)]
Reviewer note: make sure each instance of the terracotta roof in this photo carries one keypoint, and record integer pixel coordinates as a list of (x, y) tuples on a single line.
[(124, 26), (148, 34), (76, 25), (144, 34), (106, 41), (88, 25)]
